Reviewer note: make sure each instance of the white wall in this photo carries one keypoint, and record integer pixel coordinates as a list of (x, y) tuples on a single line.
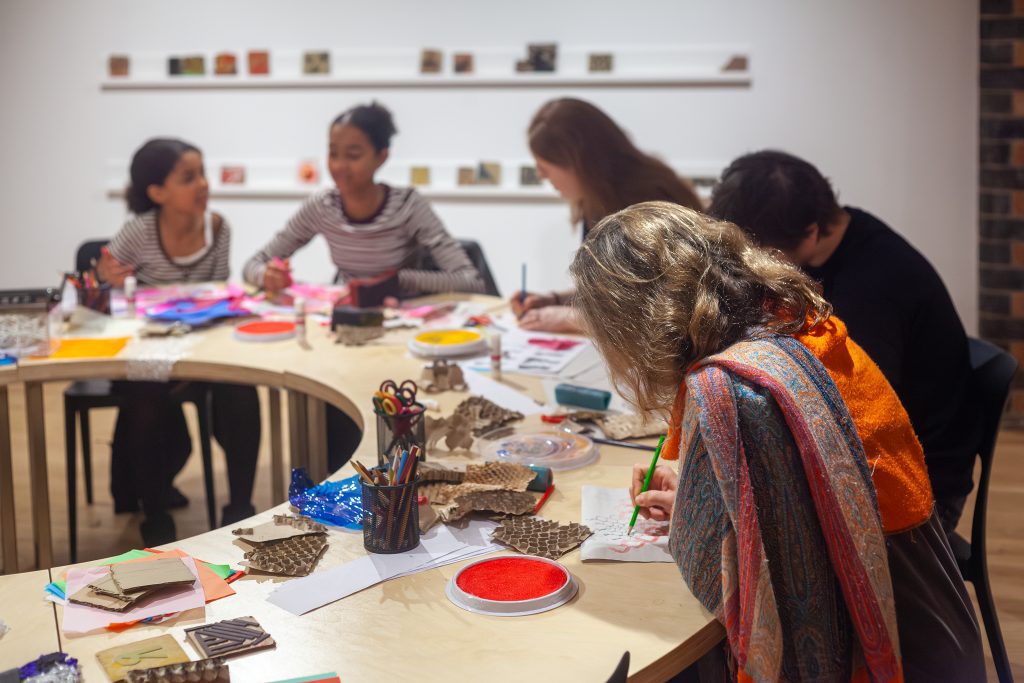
[(880, 95)]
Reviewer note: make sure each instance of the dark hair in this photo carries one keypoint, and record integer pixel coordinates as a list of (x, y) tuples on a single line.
[(151, 165), (613, 173), (373, 119), (775, 197)]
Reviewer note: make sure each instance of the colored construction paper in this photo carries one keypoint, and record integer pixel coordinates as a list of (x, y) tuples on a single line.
[(90, 348), (80, 619)]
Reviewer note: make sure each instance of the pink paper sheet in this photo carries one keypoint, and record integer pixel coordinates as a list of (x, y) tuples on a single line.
[(79, 619)]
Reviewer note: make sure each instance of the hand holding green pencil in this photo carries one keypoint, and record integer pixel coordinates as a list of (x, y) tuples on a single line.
[(647, 482)]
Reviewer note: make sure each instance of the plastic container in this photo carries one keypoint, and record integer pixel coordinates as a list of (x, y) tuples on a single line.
[(558, 450), (541, 585)]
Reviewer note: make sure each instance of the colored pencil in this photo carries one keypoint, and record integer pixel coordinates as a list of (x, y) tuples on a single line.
[(522, 290), (544, 498), (647, 482)]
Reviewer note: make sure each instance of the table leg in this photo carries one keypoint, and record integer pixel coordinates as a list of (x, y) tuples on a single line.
[(278, 491), (41, 530), (298, 446), (8, 529), (316, 421)]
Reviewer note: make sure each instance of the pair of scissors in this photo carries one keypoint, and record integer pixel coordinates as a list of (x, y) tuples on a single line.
[(385, 404), (404, 392)]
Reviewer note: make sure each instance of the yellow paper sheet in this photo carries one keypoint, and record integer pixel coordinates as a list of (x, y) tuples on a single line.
[(90, 348)]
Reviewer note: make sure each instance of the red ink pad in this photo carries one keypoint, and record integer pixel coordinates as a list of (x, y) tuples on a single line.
[(512, 586), (265, 330)]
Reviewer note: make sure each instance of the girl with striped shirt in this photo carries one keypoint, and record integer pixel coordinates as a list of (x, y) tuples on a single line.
[(173, 238), (371, 228)]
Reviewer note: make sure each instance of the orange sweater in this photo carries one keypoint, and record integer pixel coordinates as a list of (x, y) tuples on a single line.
[(894, 454)]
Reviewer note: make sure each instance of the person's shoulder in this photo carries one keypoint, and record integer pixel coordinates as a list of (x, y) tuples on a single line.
[(221, 227), (884, 243), (138, 226)]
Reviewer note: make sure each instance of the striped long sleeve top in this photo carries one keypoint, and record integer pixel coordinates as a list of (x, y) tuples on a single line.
[(394, 239), (138, 244)]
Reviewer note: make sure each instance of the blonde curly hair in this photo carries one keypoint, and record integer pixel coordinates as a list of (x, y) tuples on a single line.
[(661, 286)]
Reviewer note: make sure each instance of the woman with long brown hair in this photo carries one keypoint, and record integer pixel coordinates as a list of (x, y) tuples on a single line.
[(593, 164), (801, 515)]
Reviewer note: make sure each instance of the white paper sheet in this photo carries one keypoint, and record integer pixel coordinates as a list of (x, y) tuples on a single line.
[(438, 546), (607, 512), (501, 394), (519, 354)]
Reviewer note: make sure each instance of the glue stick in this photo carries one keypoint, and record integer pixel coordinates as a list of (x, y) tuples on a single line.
[(300, 319), (496, 356), (130, 284)]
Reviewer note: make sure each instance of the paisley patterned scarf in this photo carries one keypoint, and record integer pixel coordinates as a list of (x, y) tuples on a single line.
[(776, 525)]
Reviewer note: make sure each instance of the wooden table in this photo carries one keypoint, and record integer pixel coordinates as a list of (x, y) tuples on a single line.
[(405, 628), (30, 617)]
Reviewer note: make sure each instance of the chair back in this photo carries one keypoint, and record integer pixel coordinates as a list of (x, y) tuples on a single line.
[(621, 673), (476, 256), (992, 371), (87, 252)]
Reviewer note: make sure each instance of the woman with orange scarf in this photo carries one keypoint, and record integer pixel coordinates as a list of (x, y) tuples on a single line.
[(797, 460)]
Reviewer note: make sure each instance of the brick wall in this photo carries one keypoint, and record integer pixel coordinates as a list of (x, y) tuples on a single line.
[(1001, 185)]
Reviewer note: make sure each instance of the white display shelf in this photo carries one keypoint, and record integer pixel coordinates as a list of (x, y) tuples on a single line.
[(277, 179), (469, 193), (494, 67), (552, 80)]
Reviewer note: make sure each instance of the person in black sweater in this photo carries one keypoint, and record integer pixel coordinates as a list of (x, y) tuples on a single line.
[(892, 300)]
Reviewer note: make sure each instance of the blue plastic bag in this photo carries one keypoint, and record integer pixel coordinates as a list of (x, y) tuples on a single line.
[(332, 502)]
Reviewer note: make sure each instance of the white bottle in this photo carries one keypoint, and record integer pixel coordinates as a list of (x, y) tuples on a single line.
[(130, 285), (300, 319), (495, 344)]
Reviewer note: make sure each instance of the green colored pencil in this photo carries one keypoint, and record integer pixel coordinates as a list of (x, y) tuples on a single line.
[(647, 482)]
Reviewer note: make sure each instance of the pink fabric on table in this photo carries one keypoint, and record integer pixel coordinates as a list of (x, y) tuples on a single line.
[(80, 619)]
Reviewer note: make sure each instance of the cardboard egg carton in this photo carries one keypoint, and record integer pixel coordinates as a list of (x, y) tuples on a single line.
[(213, 670), (541, 537), (290, 557), (506, 475)]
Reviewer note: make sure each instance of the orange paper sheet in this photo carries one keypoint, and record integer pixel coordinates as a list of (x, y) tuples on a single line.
[(90, 348)]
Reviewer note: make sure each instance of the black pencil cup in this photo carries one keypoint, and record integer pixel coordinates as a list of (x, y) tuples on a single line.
[(400, 432), (391, 518)]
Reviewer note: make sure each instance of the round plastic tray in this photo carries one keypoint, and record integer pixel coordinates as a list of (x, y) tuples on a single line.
[(264, 331), (448, 344), (552, 448), (513, 608)]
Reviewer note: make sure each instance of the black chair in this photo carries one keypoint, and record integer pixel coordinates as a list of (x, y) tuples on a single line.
[(992, 371), (83, 396), (621, 673), (476, 256)]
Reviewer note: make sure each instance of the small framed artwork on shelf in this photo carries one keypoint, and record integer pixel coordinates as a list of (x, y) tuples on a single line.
[(174, 66), (309, 172), (193, 65), (118, 66), (259, 62), (225, 64), (430, 61), (600, 62), (462, 62), (316, 63), (528, 176), (419, 176), (737, 63), (232, 175), (540, 57), (466, 176), (488, 173)]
